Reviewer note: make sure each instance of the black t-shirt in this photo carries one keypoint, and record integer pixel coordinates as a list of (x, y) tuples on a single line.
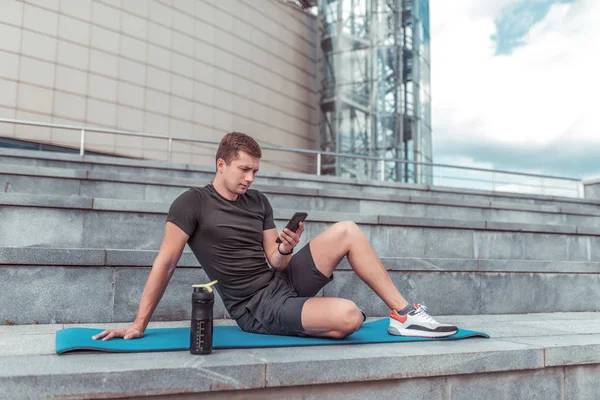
[(226, 238)]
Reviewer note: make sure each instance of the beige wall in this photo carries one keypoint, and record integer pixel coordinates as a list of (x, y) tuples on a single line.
[(192, 68)]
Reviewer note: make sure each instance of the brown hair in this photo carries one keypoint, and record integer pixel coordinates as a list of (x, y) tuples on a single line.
[(233, 143)]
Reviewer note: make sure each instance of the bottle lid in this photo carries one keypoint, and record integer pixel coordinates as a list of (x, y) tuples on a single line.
[(205, 286)]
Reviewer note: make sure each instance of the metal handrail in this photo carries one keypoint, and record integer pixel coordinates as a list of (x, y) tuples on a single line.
[(318, 153), (285, 149)]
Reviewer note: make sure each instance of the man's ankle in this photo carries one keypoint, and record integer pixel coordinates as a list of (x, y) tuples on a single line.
[(406, 309)]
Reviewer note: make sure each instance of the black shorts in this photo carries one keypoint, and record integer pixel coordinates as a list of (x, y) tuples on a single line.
[(277, 309)]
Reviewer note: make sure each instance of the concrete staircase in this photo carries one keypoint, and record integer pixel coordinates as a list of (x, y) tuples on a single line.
[(78, 236)]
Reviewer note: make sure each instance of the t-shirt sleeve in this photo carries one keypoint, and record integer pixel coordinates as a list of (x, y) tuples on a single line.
[(268, 222), (185, 211)]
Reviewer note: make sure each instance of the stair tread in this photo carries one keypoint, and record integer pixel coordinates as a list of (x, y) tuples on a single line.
[(520, 341)]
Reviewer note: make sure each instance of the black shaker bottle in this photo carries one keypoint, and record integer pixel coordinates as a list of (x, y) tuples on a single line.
[(201, 328)]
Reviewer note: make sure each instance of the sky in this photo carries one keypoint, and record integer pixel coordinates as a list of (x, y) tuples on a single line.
[(515, 85)]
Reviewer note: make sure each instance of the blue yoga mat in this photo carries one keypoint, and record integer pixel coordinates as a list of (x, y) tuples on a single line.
[(228, 337)]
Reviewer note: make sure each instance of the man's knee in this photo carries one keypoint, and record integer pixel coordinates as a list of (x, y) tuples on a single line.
[(350, 318), (348, 229)]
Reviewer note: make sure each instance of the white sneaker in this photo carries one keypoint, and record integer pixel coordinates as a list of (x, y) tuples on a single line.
[(418, 323)]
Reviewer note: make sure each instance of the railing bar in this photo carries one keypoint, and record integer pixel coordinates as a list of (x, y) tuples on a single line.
[(285, 149)]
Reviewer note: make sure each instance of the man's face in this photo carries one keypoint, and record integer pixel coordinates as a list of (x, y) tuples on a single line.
[(240, 173)]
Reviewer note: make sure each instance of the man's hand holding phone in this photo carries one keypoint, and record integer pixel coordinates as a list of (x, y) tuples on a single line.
[(290, 236)]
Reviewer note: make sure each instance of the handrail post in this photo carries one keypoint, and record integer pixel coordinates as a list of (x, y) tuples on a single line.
[(441, 175), (169, 150), (82, 145), (493, 181), (382, 169), (319, 164), (542, 186)]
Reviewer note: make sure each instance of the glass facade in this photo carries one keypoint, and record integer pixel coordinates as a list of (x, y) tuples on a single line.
[(375, 97)]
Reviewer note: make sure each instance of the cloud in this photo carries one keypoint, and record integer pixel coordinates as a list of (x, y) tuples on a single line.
[(516, 19), (561, 157), (530, 110)]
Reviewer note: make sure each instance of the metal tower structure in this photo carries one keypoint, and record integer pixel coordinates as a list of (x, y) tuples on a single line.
[(375, 95)]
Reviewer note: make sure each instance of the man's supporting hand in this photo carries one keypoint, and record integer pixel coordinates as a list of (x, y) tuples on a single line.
[(132, 332)]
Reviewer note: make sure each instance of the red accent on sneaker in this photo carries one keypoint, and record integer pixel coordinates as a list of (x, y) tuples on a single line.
[(394, 314)]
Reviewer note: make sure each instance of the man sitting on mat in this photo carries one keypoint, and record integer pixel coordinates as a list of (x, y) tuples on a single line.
[(230, 229)]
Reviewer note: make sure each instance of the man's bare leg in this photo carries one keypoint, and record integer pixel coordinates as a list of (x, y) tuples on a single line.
[(330, 317), (343, 316)]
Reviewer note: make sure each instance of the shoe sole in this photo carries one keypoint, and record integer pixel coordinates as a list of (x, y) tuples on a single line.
[(415, 333)]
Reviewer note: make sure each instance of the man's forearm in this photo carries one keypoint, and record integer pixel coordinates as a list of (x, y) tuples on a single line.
[(153, 291)]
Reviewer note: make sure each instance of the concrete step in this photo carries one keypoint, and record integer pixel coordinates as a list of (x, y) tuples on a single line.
[(141, 168), (550, 356), (70, 182), (60, 221), (50, 285)]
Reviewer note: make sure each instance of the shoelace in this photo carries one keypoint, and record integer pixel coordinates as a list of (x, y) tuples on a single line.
[(421, 311)]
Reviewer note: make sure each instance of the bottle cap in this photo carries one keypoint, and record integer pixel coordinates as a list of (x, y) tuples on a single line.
[(205, 286)]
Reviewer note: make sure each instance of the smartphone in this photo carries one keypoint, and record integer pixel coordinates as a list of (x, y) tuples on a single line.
[(294, 222)]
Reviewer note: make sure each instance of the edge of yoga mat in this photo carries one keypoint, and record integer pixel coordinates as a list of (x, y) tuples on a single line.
[(229, 337)]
